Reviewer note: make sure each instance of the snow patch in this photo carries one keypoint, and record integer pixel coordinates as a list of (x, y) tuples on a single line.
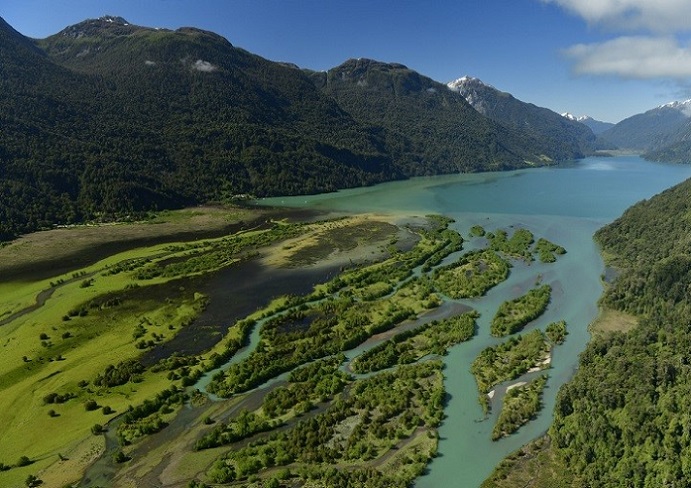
[(684, 107), (465, 81), (204, 66)]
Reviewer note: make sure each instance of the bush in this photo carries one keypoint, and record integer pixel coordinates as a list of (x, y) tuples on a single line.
[(23, 461)]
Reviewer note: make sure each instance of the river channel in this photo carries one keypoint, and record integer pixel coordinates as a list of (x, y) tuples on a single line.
[(565, 204)]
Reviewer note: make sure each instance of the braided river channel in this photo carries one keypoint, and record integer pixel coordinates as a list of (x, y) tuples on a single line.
[(565, 204)]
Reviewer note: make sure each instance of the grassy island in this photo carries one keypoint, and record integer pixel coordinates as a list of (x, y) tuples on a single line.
[(407, 347), (513, 315), (472, 275), (521, 404), (510, 359)]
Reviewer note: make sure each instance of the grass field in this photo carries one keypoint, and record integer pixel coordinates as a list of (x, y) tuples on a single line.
[(94, 311)]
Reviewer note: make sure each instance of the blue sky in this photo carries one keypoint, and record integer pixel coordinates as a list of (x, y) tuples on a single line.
[(606, 58)]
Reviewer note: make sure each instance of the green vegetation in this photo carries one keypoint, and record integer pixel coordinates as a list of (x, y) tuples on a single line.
[(316, 382), (509, 360), (547, 250), (477, 231), (104, 361), (79, 359), (472, 275), (407, 347), (391, 410), (521, 404), (622, 421), (339, 322), (518, 246), (556, 332), (513, 315)]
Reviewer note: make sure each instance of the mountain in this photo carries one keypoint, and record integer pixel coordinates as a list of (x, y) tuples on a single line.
[(107, 119), (556, 137), (652, 130), (596, 126), (426, 127)]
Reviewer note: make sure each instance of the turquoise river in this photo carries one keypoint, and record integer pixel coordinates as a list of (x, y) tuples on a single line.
[(565, 204)]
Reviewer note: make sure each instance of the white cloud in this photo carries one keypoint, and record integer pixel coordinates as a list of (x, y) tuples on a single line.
[(633, 57), (204, 66), (662, 16)]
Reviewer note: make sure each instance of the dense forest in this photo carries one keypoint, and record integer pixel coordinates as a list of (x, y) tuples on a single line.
[(106, 119), (624, 419)]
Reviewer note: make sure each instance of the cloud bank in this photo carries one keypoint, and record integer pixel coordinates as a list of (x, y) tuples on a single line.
[(663, 16), (633, 57), (658, 53)]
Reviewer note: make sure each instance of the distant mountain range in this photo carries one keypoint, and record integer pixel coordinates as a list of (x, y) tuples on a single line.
[(596, 126), (554, 135), (106, 119), (662, 134)]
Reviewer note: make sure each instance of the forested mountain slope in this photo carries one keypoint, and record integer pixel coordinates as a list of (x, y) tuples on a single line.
[(427, 128), (624, 420), (556, 136), (106, 119), (649, 131)]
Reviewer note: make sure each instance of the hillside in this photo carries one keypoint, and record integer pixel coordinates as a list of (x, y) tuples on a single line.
[(106, 119), (554, 136), (427, 128), (651, 130)]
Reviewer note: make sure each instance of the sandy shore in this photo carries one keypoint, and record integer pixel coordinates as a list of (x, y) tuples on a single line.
[(515, 385), (543, 364)]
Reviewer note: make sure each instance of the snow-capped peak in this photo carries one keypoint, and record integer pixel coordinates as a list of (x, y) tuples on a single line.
[(113, 19), (570, 116), (684, 107), (466, 81)]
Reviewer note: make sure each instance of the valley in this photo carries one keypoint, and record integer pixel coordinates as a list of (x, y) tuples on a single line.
[(217, 269)]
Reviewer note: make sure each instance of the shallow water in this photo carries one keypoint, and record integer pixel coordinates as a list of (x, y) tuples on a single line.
[(566, 205)]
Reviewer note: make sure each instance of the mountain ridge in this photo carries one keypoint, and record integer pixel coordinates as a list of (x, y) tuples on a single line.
[(555, 136), (107, 119)]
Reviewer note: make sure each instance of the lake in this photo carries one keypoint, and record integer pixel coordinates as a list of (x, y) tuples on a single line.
[(565, 204)]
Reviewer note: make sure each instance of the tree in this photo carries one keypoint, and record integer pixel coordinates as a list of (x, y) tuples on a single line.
[(23, 461), (32, 481)]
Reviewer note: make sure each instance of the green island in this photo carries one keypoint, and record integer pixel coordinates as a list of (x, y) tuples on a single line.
[(556, 332), (519, 244), (516, 246), (472, 275), (408, 347), (131, 354), (509, 360), (521, 404), (547, 250), (513, 315)]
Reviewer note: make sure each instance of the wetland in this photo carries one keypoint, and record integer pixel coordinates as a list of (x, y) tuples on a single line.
[(347, 338)]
